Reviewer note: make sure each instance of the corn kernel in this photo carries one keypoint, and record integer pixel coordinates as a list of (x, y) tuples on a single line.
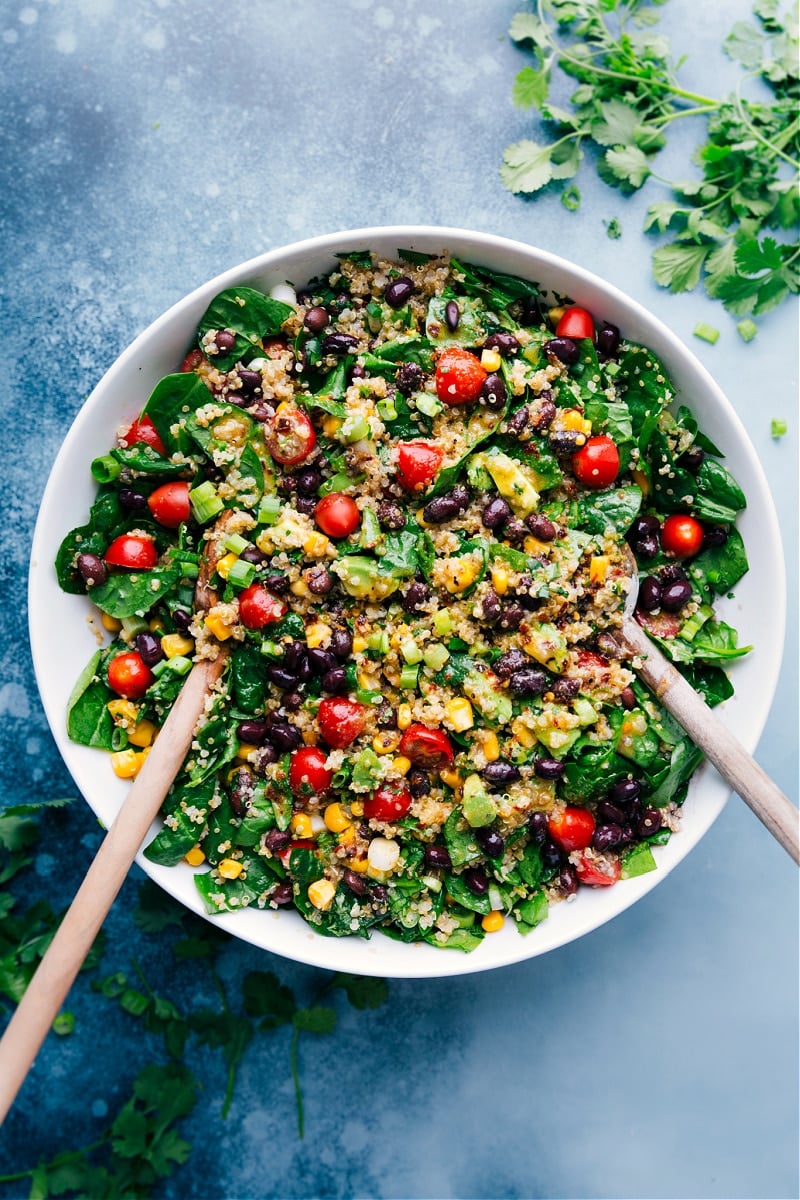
[(598, 568), (126, 764), (194, 857), (359, 644), (110, 623), (526, 737), (493, 921), (336, 819), (357, 808), (321, 894), (317, 634), (330, 425), (123, 712), (230, 868), (300, 588), (216, 626), (245, 750), (641, 480), (451, 777), (142, 734), (386, 741), (458, 715), (309, 737), (489, 745), (175, 644), (532, 545), (401, 765), (301, 825), (224, 565), (461, 572), (316, 545), (359, 865), (156, 625), (490, 360), (404, 716), (574, 420), (555, 314), (347, 836), (500, 580)]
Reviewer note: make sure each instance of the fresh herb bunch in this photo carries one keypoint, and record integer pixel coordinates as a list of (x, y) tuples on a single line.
[(626, 97)]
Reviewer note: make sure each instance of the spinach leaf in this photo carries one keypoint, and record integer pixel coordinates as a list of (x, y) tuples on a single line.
[(249, 314), (106, 520), (231, 895), (135, 594), (215, 744), (590, 769), (716, 642), (543, 465), (186, 821), (471, 328), (672, 782), (412, 349), (644, 385), (400, 557), (456, 670), (673, 487), (461, 894), (248, 678), (142, 459), (494, 287), (89, 723), (220, 831), (718, 496), (169, 402), (460, 840), (530, 912), (615, 509), (710, 680), (638, 861)]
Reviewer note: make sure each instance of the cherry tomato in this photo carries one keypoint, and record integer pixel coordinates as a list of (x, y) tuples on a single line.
[(417, 464), (597, 874), (259, 607), (429, 748), (285, 855), (143, 430), (596, 464), (459, 376), (681, 535), (169, 504), (192, 360), (337, 515), (291, 436), (572, 828), (308, 774), (576, 323), (132, 550), (389, 802), (588, 658), (340, 720), (129, 675)]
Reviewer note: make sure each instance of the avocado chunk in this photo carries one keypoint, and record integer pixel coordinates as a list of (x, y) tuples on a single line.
[(493, 705), (546, 644), (361, 577), (476, 803), (514, 482)]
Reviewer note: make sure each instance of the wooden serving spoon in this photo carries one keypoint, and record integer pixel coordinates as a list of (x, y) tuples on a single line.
[(720, 747), (65, 955)]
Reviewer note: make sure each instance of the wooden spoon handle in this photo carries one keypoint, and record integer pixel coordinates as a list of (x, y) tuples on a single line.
[(727, 754), (65, 955)]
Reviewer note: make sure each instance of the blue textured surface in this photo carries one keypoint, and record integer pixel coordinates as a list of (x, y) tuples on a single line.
[(146, 147)]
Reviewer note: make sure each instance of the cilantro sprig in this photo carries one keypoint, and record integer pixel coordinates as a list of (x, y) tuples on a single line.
[(730, 225)]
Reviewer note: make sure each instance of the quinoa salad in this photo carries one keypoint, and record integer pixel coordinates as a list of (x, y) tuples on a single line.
[(399, 503)]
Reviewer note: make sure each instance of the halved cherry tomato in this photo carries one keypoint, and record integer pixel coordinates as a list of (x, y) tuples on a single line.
[(389, 802), (169, 504), (308, 774), (596, 464), (259, 607), (192, 360), (340, 720), (290, 438), (417, 464), (129, 675), (597, 874), (681, 535), (134, 551), (576, 323), (429, 748), (143, 430), (588, 658), (337, 515), (459, 376), (285, 854), (572, 828)]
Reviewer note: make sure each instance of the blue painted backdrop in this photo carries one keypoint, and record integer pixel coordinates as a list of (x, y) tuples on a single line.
[(145, 147)]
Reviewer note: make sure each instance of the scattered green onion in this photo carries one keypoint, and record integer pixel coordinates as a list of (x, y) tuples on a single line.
[(409, 676), (747, 329), (571, 198), (411, 651), (131, 626), (236, 543), (269, 510), (242, 573), (778, 428), (354, 428), (338, 483), (64, 1024), (436, 656), (442, 623), (387, 409), (706, 333), (429, 405), (106, 469), (271, 649), (205, 502)]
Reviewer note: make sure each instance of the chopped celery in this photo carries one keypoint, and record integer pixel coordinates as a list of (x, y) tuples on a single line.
[(409, 676), (269, 510)]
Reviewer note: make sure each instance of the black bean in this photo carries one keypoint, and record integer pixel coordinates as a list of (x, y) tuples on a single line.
[(565, 689), (339, 344), (252, 554), (149, 647), (610, 814), (609, 646), (628, 698), (452, 315), (607, 341), (649, 822), (91, 568), (676, 595), (530, 310), (308, 481), (284, 736), (624, 791), (341, 642), (441, 508), (493, 391), (399, 292), (567, 880), (519, 422), (649, 597), (491, 842), (537, 828), (321, 660), (293, 655), (319, 580), (607, 837), (292, 701), (391, 515), (529, 681), (316, 319), (512, 616), (714, 536), (131, 500), (224, 340), (335, 681), (241, 792), (515, 531), (503, 342), (462, 496), (543, 412), (357, 372), (508, 663), (438, 858), (265, 757), (252, 731), (415, 594), (250, 380), (565, 442), (386, 717), (552, 857), (282, 678), (282, 893), (644, 525), (692, 459), (672, 573), (419, 782), (541, 527), (276, 583), (409, 378), (564, 349), (496, 513), (548, 768), (355, 882), (306, 505), (501, 772), (182, 619), (490, 606), (647, 546), (277, 839), (475, 879), (523, 593)]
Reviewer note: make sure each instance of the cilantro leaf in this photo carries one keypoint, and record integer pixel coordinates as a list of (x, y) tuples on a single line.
[(527, 166), (316, 1019), (679, 265)]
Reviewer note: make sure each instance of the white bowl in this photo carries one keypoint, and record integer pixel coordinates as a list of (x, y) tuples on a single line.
[(63, 640)]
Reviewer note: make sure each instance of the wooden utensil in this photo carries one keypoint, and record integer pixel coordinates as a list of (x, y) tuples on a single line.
[(719, 745), (65, 955)]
